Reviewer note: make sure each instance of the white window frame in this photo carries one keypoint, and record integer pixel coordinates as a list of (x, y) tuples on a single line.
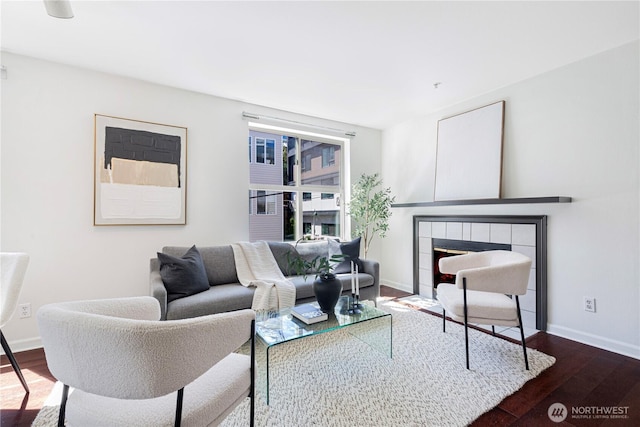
[(342, 189)]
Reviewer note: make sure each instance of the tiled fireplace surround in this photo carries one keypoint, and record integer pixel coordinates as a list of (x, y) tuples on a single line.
[(525, 234)]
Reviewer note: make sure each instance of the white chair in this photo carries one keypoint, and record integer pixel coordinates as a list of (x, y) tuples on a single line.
[(125, 364), (482, 294), (14, 267)]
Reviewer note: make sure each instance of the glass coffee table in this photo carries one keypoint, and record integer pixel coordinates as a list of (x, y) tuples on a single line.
[(371, 325)]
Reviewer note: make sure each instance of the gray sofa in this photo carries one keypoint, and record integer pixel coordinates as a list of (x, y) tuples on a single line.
[(227, 294)]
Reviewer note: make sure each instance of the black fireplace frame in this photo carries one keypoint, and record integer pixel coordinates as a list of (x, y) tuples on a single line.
[(540, 221)]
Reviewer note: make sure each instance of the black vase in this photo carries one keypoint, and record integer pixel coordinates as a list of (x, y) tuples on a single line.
[(327, 289)]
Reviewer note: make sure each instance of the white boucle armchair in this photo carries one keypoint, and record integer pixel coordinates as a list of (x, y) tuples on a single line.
[(128, 368), (485, 284)]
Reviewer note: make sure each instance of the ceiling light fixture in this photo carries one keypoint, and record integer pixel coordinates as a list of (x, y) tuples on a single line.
[(59, 8)]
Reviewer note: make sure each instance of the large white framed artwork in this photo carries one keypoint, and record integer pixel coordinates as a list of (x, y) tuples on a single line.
[(469, 154), (140, 172)]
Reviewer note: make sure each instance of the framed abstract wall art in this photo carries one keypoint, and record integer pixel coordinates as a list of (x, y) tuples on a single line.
[(140, 175), (469, 154)]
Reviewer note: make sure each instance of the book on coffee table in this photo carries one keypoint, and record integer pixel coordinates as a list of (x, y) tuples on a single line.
[(309, 313)]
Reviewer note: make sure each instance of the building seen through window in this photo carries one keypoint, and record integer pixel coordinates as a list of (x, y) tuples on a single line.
[(290, 199)]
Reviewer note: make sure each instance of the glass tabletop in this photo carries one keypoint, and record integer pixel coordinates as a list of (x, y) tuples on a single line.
[(279, 326)]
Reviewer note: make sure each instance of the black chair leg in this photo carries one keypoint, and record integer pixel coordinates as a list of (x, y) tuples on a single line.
[(493, 329), (63, 405), (524, 346), (252, 410), (14, 363), (466, 326), (179, 407), (444, 321)]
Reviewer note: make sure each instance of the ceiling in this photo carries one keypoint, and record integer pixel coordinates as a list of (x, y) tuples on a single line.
[(367, 63)]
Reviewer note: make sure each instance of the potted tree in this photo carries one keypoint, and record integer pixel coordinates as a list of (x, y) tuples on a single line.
[(370, 208)]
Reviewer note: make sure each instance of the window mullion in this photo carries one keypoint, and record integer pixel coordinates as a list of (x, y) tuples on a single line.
[(297, 180)]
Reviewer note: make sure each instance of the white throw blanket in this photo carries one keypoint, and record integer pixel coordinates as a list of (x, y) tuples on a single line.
[(257, 267)]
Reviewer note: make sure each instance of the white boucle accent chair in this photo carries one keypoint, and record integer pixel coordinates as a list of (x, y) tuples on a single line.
[(128, 368), (485, 282), (14, 266)]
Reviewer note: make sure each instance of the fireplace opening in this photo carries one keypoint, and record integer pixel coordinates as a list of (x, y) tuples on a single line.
[(438, 276), (447, 247)]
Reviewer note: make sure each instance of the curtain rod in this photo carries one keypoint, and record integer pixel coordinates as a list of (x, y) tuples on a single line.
[(254, 116)]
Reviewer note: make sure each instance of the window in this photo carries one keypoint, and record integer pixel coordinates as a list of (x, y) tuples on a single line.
[(265, 203), (259, 150), (296, 198), (265, 151), (322, 166), (271, 152), (328, 156), (261, 203), (306, 162), (328, 229)]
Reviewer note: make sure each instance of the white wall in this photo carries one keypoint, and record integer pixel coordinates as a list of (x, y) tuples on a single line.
[(569, 132), (47, 180)]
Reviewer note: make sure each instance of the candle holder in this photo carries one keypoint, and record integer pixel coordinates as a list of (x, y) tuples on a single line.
[(354, 305)]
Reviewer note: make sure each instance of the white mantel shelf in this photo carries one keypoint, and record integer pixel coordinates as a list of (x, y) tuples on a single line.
[(513, 201)]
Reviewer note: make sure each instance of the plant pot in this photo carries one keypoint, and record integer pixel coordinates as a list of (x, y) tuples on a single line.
[(327, 289)]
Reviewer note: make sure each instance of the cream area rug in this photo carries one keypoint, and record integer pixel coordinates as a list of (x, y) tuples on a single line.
[(336, 380)]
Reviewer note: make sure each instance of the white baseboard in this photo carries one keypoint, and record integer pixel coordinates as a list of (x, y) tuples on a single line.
[(395, 285), (595, 341), (24, 345)]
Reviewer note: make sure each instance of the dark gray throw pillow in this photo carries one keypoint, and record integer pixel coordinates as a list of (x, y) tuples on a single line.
[(282, 252), (183, 276), (351, 251)]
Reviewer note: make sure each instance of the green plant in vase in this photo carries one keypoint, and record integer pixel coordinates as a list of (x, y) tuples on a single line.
[(321, 265), (326, 287)]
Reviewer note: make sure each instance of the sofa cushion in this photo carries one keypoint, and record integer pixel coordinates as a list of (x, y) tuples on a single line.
[(308, 250), (219, 262), (183, 276), (282, 251), (351, 251), (218, 299), (365, 279), (304, 286)]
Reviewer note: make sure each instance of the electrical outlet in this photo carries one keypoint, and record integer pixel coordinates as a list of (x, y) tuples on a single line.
[(590, 304), (24, 310)]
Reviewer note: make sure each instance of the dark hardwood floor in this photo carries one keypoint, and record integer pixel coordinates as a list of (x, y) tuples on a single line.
[(18, 409), (583, 378)]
